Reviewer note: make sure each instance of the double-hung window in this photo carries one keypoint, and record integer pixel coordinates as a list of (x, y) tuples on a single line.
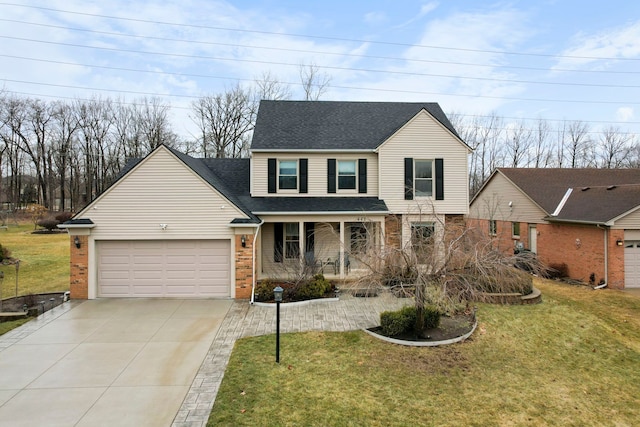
[(515, 229), (288, 175), (291, 240), (422, 234), (493, 227), (346, 174), (423, 179)]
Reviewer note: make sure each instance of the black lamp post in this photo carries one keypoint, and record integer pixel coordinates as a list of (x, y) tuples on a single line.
[(277, 295)]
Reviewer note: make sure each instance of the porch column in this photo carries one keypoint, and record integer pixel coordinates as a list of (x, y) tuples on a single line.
[(301, 240), (381, 234), (342, 249)]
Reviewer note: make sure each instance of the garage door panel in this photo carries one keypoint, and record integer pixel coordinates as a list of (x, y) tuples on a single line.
[(632, 264), (155, 269)]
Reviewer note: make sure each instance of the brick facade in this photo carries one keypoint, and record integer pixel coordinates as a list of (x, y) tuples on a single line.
[(393, 231), (244, 266), (580, 247), (79, 268)]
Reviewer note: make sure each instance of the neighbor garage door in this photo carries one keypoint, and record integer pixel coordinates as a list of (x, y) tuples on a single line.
[(632, 264), (164, 268)]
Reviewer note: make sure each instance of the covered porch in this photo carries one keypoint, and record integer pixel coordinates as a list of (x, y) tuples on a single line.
[(337, 247)]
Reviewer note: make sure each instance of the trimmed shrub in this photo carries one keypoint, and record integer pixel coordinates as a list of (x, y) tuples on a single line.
[(431, 317), (558, 271), (317, 287), (403, 321), (49, 224), (4, 253), (64, 216), (264, 290)]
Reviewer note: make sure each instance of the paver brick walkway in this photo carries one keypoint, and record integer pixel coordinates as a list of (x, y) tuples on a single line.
[(245, 320)]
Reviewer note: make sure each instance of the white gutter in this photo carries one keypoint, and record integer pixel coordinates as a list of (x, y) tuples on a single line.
[(254, 273), (326, 150), (562, 202), (68, 226), (324, 213)]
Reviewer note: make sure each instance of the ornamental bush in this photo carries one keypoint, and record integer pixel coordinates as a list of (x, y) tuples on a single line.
[(403, 321)]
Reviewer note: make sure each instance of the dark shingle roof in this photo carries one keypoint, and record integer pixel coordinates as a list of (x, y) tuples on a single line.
[(231, 177), (316, 204), (329, 125), (599, 203)]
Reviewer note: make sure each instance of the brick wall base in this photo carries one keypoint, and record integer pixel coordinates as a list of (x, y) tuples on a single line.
[(244, 266), (79, 268)]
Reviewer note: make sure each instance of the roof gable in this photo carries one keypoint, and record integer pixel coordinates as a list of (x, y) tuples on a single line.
[(334, 125), (598, 196), (194, 166)]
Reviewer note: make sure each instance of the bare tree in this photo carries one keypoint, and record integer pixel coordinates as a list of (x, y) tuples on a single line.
[(518, 142), (579, 145), (540, 150), (269, 87), (314, 82), (64, 138), (614, 146), (225, 122)]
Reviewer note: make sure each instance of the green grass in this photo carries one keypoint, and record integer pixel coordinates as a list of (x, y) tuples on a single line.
[(44, 261), (12, 324), (572, 360)]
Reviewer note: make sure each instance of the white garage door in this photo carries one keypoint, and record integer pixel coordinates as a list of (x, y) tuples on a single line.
[(164, 268), (632, 264)]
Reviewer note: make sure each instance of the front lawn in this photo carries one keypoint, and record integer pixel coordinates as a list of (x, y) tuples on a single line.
[(44, 261), (572, 360)]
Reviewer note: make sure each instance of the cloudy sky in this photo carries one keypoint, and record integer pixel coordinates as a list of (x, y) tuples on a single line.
[(550, 59)]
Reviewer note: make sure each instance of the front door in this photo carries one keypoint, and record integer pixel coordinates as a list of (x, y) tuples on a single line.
[(533, 238)]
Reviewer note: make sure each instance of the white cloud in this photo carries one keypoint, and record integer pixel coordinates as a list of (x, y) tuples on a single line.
[(617, 43), (424, 10), (375, 18), (625, 114)]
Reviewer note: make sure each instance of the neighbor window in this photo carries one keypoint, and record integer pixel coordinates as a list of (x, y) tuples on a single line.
[(422, 234), (493, 227), (515, 229), (346, 174), (291, 240), (423, 179), (288, 175)]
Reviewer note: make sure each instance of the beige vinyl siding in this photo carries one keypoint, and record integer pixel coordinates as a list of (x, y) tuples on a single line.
[(317, 174), (161, 190), (327, 245), (493, 203), (424, 138), (630, 221)]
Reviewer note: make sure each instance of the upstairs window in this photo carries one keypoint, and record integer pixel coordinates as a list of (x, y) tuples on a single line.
[(423, 179), (346, 174), (288, 175)]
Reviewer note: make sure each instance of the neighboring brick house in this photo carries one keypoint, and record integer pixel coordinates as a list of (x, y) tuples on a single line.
[(587, 219), (323, 179)]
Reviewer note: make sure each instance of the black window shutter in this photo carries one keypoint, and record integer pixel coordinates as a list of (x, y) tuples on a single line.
[(310, 238), (439, 179), (304, 166), (408, 178), (278, 241), (331, 175), (362, 175), (271, 175)]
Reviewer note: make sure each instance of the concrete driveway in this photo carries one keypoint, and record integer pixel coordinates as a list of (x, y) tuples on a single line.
[(106, 362)]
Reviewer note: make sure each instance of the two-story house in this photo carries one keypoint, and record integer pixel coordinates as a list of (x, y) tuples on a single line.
[(325, 181)]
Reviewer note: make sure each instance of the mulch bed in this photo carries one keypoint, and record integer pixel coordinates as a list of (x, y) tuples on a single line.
[(450, 327)]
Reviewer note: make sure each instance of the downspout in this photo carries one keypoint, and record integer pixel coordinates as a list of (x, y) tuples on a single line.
[(606, 258), (253, 263)]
